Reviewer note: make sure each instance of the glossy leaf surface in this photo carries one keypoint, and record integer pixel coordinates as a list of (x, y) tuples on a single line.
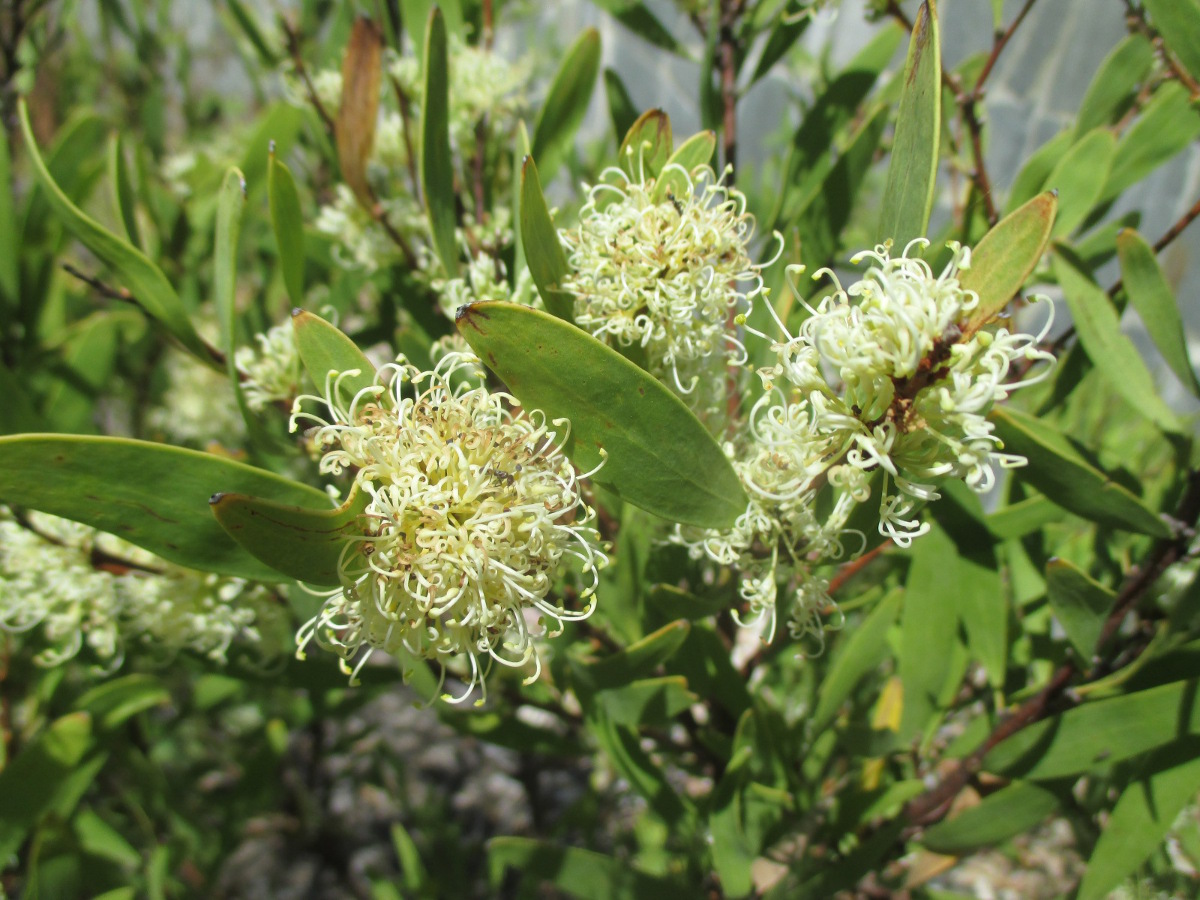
[(539, 239), (437, 161), (567, 102), (1080, 604), (287, 221), (323, 348)]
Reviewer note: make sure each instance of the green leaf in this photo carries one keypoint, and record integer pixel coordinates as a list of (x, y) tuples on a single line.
[(1144, 814), (647, 703), (31, 783), (1099, 328), (287, 221), (1080, 604), (695, 151), (584, 874), (246, 21), (113, 703), (437, 162), (647, 146), (566, 103), (152, 495), (124, 198), (711, 102), (639, 19), (10, 269), (414, 878), (636, 661), (620, 105), (908, 194), (1100, 733), (1006, 256), (1023, 517), (543, 253), (324, 349), (786, 28), (147, 283), (998, 817), (1152, 297), (300, 542), (1167, 125), (231, 205), (19, 414), (1115, 84), (1178, 22), (657, 454), (1079, 177), (98, 838), (1031, 180), (862, 653), (623, 747), (1062, 473)]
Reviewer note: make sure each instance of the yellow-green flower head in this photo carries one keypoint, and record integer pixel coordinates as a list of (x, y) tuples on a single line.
[(473, 514), (666, 273), (272, 373), (891, 381)]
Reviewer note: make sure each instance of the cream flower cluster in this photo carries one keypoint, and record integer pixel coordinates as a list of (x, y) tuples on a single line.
[(473, 513), (883, 378), (49, 582), (666, 273), (272, 373)]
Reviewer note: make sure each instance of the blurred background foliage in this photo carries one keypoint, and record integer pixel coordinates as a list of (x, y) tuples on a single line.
[(1009, 708)]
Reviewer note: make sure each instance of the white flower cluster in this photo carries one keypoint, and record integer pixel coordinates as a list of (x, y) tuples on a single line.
[(272, 373), (473, 513), (885, 378), (80, 586), (199, 404), (666, 272)]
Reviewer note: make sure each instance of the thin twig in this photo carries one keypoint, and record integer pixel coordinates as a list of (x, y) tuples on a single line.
[(104, 289), (293, 44)]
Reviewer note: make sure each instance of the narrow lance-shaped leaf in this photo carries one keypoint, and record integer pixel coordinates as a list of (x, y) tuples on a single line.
[(1115, 83), (9, 261), (122, 189), (637, 660), (863, 651), (437, 162), (656, 454), (1000, 816), (639, 19), (539, 241), (566, 103), (231, 204), (695, 151), (1006, 256), (647, 146), (1166, 125), (299, 542), (145, 280), (152, 495), (574, 870), (1099, 330), (1079, 177), (1152, 297), (1178, 22), (287, 221), (1062, 473), (1080, 604), (620, 106), (354, 130), (908, 192), (323, 349)]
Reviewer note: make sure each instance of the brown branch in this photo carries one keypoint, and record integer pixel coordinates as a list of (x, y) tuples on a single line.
[(293, 45), (727, 61), (100, 287)]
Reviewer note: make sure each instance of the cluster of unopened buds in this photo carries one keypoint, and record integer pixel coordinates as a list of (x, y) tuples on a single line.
[(473, 514)]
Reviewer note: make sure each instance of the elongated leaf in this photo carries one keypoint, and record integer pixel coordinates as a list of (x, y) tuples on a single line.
[(908, 194), (582, 873), (647, 146), (152, 495), (658, 455), (1031, 180), (1079, 178), (1080, 604), (620, 105), (786, 28), (113, 703), (566, 103), (638, 18), (231, 204), (1115, 84), (1144, 813), (1064, 475), (637, 660), (1023, 517), (31, 783), (19, 414), (145, 280), (543, 253), (1006, 256), (324, 349), (287, 221), (248, 23), (302, 543), (10, 270), (1100, 733), (865, 647), (124, 198), (1166, 126), (1178, 21), (695, 151), (647, 702), (1099, 330), (437, 162), (995, 819), (362, 68), (1152, 297)]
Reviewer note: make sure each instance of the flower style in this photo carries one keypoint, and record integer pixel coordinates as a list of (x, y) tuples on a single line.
[(273, 373), (885, 376), (665, 272), (473, 511)]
